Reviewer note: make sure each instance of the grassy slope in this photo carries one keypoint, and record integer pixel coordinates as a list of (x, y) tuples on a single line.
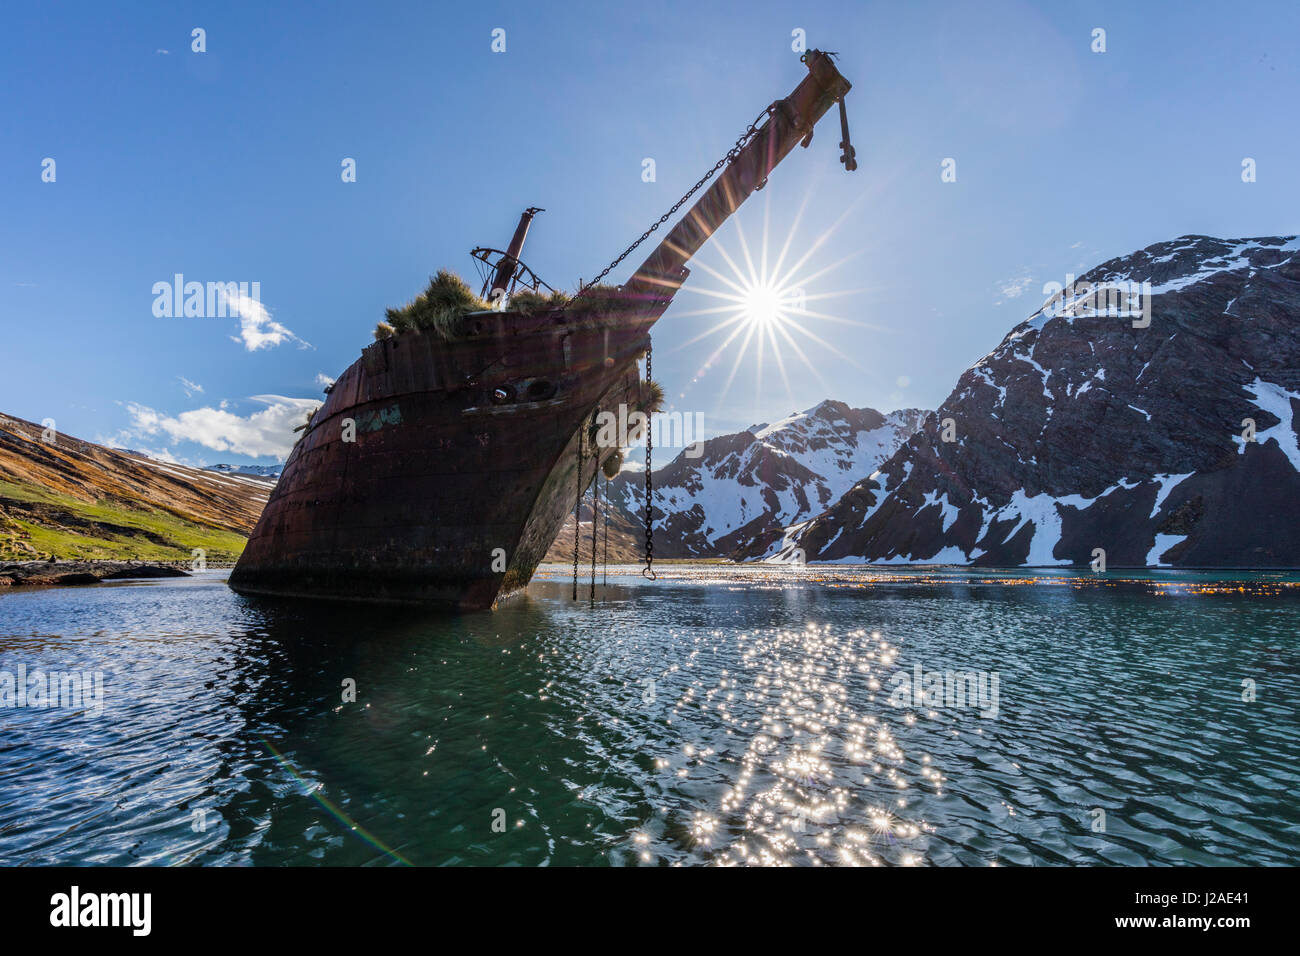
[(78, 500), (107, 529)]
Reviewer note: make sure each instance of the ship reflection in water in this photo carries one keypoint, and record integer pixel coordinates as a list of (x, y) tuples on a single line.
[(719, 715)]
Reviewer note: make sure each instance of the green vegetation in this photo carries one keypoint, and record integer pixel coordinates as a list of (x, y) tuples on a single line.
[(528, 302), (612, 464), (438, 309), (442, 306), (598, 298), (41, 522), (652, 398)]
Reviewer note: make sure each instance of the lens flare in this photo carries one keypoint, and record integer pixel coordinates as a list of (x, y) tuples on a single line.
[(763, 302)]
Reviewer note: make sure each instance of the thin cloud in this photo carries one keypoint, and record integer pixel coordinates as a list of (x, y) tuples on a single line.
[(190, 387), (323, 380), (1015, 288), (257, 330), (159, 454), (269, 432)]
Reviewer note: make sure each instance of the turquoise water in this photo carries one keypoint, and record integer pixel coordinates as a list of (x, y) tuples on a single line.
[(718, 715)]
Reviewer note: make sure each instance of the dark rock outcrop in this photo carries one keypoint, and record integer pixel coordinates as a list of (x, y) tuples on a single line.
[(60, 573), (717, 499), (1081, 431)]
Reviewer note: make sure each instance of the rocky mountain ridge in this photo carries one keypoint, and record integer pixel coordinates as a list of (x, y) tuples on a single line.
[(1163, 435), (718, 498)]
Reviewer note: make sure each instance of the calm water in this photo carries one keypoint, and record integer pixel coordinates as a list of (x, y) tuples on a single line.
[(719, 715)]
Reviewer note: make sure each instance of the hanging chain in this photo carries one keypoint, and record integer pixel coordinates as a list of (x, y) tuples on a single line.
[(595, 506), (648, 571), (577, 506), (741, 143), (604, 568)]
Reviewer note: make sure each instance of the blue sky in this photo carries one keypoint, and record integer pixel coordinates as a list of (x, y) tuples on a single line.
[(225, 165)]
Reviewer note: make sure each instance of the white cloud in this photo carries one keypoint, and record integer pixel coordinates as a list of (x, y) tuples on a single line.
[(323, 380), (125, 441), (1015, 288), (257, 330), (189, 387), (160, 454), (266, 432)]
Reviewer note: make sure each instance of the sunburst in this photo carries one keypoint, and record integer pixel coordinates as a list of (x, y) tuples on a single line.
[(767, 308)]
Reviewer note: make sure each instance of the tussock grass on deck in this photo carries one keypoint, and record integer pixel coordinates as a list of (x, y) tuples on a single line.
[(443, 305)]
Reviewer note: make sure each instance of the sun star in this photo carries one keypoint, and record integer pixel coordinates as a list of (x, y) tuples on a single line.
[(766, 304)]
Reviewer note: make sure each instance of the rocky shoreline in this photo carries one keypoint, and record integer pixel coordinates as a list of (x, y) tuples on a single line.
[(62, 573)]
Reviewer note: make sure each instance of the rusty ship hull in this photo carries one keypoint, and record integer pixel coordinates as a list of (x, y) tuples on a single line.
[(441, 467), (444, 495)]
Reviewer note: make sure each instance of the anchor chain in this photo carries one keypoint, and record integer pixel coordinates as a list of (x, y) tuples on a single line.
[(648, 571), (595, 505), (735, 151), (604, 568), (577, 508)]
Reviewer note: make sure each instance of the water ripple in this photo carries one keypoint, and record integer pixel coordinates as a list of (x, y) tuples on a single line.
[(721, 715)]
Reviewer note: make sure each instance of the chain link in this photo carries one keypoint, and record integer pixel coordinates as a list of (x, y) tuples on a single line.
[(595, 503), (648, 571), (577, 506), (741, 143)]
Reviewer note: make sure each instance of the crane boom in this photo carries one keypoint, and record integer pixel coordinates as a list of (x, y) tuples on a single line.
[(789, 122)]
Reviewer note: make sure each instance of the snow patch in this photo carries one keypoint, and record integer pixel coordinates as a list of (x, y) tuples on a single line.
[(1167, 484), (1277, 401), (948, 512), (1163, 543)]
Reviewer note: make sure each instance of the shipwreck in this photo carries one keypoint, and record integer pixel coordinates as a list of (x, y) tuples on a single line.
[(444, 460)]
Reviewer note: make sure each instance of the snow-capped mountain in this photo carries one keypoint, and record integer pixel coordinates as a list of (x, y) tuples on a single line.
[(751, 484), (269, 472), (1165, 436)]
